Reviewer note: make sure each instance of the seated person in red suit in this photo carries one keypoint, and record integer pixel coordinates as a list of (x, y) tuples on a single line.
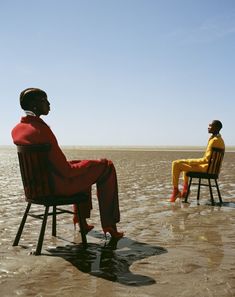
[(70, 176)]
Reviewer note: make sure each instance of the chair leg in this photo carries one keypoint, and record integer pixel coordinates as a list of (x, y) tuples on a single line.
[(82, 229), (21, 227), (217, 187), (211, 193), (198, 191), (186, 198), (42, 232), (54, 221)]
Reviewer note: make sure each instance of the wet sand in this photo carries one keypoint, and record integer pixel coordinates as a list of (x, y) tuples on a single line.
[(169, 249)]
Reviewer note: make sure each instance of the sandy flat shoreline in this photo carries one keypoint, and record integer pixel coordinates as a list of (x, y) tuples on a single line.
[(145, 148), (168, 249), (131, 148)]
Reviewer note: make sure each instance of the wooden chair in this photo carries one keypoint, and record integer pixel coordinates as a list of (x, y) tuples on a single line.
[(212, 173), (36, 174)]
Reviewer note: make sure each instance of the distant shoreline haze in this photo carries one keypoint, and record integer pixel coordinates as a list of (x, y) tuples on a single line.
[(133, 148)]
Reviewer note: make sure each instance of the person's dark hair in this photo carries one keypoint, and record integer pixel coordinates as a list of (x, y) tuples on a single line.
[(29, 95), (218, 125)]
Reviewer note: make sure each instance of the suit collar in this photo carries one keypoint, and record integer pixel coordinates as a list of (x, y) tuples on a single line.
[(30, 119)]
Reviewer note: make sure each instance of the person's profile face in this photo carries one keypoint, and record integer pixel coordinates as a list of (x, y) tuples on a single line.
[(42, 106), (212, 128)]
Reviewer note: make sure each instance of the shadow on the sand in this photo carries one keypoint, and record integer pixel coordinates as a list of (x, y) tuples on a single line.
[(223, 204), (110, 261), (228, 204)]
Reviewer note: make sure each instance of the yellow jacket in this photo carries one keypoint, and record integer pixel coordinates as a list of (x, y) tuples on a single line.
[(214, 141)]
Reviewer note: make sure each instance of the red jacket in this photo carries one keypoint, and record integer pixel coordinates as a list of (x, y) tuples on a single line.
[(33, 130)]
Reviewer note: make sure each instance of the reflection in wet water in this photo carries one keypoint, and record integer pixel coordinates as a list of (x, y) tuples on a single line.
[(110, 261), (198, 227)]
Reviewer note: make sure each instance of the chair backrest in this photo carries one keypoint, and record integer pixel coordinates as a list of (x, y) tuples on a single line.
[(35, 170), (215, 161)]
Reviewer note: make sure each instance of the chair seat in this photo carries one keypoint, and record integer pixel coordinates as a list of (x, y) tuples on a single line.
[(59, 200), (212, 174), (202, 175), (37, 177)]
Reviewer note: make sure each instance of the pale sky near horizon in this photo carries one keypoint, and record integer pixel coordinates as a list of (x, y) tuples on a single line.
[(121, 72)]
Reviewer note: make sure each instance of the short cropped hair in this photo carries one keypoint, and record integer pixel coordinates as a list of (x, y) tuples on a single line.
[(29, 95), (218, 124)]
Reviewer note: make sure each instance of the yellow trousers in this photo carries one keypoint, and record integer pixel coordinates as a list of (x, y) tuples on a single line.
[(185, 165)]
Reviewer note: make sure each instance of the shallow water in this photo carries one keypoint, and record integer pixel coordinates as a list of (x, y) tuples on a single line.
[(168, 249)]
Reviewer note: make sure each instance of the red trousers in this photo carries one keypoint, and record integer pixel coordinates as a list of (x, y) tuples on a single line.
[(103, 174)]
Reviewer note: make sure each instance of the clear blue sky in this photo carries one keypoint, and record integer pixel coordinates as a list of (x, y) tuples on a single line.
[(121, 72)]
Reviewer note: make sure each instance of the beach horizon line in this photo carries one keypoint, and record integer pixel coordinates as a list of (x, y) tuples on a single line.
[(134, 147)]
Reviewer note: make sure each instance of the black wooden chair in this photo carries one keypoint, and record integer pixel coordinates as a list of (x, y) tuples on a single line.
[(212, 173), (36, 174)]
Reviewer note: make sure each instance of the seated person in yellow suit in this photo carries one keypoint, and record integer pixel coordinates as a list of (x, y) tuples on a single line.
[(200, 164)]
